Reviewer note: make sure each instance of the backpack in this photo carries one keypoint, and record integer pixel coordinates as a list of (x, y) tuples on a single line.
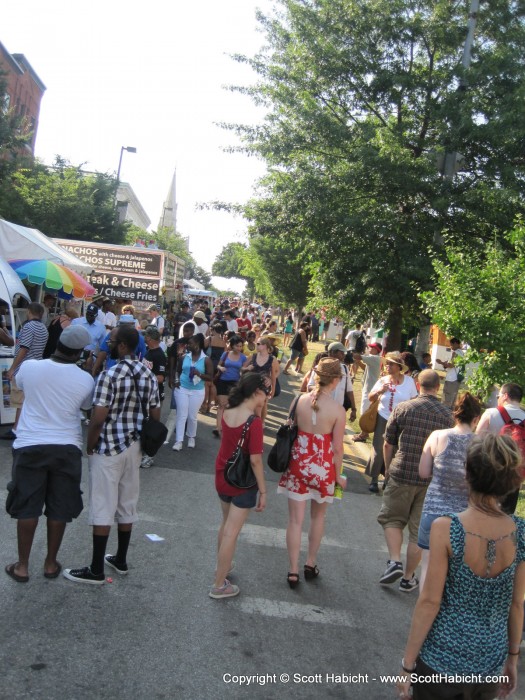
[(360, 344), (515, 429)]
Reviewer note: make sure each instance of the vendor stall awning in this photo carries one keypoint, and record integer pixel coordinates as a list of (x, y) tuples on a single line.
[(19, 242)]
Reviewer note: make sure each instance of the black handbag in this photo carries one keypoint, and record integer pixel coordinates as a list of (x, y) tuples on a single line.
[(279, 456), (238, 470), (154, 432)]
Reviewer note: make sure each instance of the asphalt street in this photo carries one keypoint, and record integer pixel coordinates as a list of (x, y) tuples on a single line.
[(156, 634)]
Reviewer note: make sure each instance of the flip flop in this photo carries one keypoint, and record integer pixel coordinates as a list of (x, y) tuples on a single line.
[(10, 571), (56, 573)]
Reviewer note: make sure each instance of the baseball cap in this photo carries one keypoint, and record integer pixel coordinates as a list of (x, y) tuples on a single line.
[(336, 346), (92, 309), (126, 318), (377, 346), (200, 314), (75, 337)]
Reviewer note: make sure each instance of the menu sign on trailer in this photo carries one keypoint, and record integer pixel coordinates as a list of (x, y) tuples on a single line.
[(120, 272)]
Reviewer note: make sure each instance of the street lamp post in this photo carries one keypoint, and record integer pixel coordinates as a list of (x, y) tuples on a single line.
[(130, 149)]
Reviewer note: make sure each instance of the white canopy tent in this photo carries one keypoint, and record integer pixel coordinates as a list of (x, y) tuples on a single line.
[(22, 243), (10, 287)]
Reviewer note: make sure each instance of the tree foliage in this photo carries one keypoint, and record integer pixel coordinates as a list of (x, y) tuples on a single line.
[(65, 202), (363, 100), (479, 298)]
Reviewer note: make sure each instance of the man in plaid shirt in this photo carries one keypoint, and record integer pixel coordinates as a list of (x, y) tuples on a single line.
[(113, 446), (408, 428)]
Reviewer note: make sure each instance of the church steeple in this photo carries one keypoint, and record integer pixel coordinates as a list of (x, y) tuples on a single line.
[(168, 217)]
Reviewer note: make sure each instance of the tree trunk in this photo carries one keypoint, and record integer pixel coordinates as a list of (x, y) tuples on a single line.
[(394, 326)]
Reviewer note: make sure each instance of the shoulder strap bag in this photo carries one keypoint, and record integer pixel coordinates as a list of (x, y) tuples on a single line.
[(238, 470), (154, 432), (279, 456)]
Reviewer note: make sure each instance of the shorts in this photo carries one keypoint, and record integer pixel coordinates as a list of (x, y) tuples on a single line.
[(114, 487), (45, 475), (224, 388), (17, 395), (402, 506), (297, 354), (423, 535), (248, 499)]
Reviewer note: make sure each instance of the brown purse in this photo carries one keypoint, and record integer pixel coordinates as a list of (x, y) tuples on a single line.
[(368, 421)]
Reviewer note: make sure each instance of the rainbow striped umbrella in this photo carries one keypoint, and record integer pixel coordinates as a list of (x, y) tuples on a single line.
[(53, 276)]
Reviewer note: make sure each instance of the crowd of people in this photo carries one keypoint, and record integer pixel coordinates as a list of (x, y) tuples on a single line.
[(451, 472)]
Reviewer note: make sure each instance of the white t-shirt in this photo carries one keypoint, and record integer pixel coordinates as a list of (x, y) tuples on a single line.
[(232, 325), (492, 422), (344, 386), (54, 394), (403, 392), (452, 374), (158, 322), (351, 338), (110, 319), (372, 371)]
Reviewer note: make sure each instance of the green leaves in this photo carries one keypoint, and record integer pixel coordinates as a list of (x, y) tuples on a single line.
[(362, 102), (479, 298)]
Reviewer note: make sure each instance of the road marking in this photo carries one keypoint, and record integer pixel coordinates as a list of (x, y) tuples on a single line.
[(304, 613)]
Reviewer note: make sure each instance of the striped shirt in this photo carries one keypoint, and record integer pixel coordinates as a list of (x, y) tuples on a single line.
[(408, 428), (115, 389), (33, 336)]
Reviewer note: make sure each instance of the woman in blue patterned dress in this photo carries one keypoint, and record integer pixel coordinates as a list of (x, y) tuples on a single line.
[(469, 617), (443, 458)]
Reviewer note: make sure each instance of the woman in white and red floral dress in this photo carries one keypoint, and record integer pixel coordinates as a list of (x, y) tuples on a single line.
[(315, 466)]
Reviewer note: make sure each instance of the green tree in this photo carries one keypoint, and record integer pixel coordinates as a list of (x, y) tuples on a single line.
[(362, 103), (65, 202), (15, 136), (479, 298)]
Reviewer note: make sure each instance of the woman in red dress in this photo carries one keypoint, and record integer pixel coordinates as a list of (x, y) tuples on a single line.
[(245, 400), (315, 466)]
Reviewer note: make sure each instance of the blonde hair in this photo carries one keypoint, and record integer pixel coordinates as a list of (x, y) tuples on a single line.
[(263, 340), (71, 311), (321, 380), (128, 309)]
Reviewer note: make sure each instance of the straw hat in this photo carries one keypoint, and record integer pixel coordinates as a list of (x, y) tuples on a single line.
[(329, 367), (396, 358)]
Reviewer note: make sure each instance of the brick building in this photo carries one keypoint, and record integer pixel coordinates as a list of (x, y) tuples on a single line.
[(24, 89)]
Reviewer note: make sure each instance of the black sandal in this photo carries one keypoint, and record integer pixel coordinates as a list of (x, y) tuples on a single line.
[(310, 572), (293, 580)]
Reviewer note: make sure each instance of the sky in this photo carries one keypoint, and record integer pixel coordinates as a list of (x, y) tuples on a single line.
[(149, 76)]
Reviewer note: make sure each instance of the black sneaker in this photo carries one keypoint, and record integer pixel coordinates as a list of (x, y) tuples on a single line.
[(374, 487), (393, 571), (409, 584), (84, 576), (111, 560)]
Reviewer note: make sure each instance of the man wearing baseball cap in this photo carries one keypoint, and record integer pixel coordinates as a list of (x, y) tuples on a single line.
[(155, 318), (97, 333), (371, 364), (47, 452), (199, 319)]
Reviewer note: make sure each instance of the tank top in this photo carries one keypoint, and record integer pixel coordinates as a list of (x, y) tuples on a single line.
[(297, 342), (187, 363), (265, 369), (469, 634), (448, 490)]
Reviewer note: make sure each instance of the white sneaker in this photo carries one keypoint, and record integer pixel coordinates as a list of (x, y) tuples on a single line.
[(191, 442), (147, 462), (177, 446)]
